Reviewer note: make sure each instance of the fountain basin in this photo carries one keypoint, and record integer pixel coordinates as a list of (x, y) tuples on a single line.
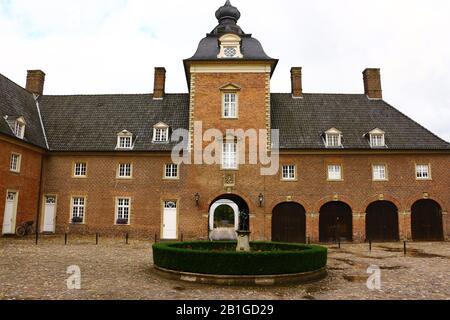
[(219, 263)]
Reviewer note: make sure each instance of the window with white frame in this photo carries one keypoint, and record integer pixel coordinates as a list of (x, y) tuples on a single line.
[(123, 211), (80, 170), (334, 172), (15, 162), (171, 171), (377, 138), (161, 133), (423, 172), (289, 172), (333, 138), (125, 142), (379, 172), (125, 170), (230, 104), (78, 209), (19, 129), (229, 155)]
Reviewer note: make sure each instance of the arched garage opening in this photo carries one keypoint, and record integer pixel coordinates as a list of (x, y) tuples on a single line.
[(224, 217), (335, 222), (382, 221), (426, 221), (289, 223)]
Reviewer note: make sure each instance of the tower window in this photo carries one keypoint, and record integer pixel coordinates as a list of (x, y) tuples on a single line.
[(230, 105)]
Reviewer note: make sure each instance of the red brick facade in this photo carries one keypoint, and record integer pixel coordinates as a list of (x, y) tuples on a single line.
[(26, 182)]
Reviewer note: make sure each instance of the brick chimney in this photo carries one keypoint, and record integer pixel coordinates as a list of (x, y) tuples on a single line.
[(372, 83), (160, 84), (35, 82), (296, 81)]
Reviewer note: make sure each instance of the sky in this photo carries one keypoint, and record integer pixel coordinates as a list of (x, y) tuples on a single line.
[(112, 46)]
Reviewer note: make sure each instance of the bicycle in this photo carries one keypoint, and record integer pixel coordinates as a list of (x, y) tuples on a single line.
[(25, 228)]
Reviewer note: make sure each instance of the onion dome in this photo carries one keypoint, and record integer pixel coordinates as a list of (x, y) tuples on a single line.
[(228, 12)]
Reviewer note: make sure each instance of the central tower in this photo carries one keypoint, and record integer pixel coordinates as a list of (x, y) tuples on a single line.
[(229, 78)]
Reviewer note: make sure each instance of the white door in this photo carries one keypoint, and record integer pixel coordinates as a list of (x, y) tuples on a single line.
[(49, 214), (170, 221), (9, 218)]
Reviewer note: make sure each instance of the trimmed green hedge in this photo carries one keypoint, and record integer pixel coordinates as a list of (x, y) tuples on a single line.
[(221, 258)]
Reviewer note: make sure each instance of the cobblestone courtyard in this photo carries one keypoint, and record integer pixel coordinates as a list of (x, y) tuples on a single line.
[(114, 270)]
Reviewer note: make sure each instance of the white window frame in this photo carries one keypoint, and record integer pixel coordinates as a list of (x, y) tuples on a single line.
[(19, 129), (230, 107), (125, 171), (289, 172), (123, 204), (161, 133), (78, 208), (377, 140), (379, 172), (420, 173), (333, 174), (230, 155), (333, 138), (170, 169), (78, 170), (15, 162)]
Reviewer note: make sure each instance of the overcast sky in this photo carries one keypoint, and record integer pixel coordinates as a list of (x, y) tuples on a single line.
[(112, 46)]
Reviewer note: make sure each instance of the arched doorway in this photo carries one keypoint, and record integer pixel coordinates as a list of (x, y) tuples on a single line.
[(426, 221), (382, 221), (336, 222), (289, 223), (224, 217)]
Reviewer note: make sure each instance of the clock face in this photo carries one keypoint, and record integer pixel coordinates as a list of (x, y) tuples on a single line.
[(230, 52)]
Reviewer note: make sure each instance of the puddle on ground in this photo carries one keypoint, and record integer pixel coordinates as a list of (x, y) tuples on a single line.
[(353, 278), (414, 253)]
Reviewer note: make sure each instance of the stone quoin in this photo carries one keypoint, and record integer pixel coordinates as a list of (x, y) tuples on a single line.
[(351, 166)]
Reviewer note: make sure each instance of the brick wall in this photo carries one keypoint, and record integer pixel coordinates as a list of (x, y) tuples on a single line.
[(26, 183)]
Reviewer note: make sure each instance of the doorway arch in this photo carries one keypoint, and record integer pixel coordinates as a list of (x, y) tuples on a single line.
[(426, 221), (335, 222), (382, 222), (289, 223)]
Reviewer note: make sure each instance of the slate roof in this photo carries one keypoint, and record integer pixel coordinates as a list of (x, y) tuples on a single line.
[(302, 122), (92, 122), (16, 102)]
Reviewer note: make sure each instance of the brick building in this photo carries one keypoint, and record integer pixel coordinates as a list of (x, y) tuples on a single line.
[(351, 166)]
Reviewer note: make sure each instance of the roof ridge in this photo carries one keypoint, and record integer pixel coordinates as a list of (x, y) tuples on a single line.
[(16, 84), (108, 94), (323, 94), (409, 118)]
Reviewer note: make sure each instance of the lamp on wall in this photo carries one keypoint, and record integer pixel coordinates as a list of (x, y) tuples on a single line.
[(197, 199), (261, 199)]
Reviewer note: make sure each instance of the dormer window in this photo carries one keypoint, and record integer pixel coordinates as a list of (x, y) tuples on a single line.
[(161, 133), (230, 47), (125, 140), (377, 138), (333, 138), (19, 128)]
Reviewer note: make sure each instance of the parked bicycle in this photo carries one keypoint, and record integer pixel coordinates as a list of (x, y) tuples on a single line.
[(25, 228)]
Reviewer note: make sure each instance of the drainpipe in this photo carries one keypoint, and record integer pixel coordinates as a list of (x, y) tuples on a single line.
[(38, 215)]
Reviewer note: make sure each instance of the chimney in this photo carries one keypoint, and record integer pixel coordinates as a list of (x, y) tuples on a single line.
[(296, 81), (372, 83), (35, 82), (160, 84)]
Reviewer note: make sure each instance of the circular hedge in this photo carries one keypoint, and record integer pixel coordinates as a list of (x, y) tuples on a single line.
[(221, 258)]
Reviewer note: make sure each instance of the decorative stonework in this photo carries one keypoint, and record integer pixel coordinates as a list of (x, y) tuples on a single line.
[(336, 197), (381, 197), (426, 195), (229, 179), (268, 114), (191, 112)]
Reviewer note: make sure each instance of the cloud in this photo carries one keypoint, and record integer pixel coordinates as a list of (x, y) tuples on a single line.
[(112, 46)]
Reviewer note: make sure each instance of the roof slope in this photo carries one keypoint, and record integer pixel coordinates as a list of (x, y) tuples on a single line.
[(302, 122), (16, 102), (92, 122)]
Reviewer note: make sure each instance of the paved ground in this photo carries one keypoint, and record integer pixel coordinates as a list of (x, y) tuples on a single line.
[(114, 270)]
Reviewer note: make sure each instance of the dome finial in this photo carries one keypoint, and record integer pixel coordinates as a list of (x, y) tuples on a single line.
[(228, 12)]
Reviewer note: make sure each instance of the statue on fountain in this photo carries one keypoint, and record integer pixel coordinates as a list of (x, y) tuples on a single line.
[(243, 232)]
